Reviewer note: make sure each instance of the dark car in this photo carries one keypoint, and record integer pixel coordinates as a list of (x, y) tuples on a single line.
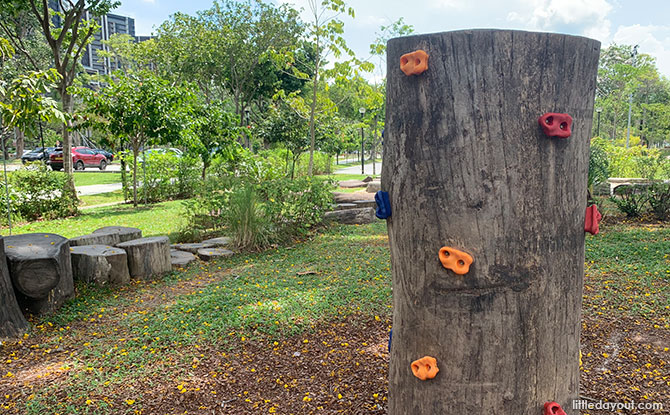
[(39, 153), (82, 157), (107, 154)]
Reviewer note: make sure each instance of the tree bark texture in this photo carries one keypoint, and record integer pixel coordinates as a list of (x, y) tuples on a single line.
[(148, 257), (467, 166), (12, 323), (40, 270)]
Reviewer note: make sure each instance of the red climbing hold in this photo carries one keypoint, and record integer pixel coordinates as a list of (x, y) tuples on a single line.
[(552, 408), (592, 220), (556, 125)]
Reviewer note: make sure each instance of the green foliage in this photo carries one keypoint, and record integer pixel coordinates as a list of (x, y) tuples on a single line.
[(598, 163), (659, 200), (25, 101), (635, 161), (257, 214), (164, 176), (38, 192), (631, 199)]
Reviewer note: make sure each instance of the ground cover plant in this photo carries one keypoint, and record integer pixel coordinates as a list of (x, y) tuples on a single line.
[(304, 329)]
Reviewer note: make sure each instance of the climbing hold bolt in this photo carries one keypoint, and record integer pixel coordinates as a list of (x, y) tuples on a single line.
[(552, 408), (425, 368), (592, 220), (556, 125), (414, 63), (455, 260), (383, 205)]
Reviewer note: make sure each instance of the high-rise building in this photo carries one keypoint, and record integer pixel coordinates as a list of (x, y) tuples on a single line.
[(109, 24)]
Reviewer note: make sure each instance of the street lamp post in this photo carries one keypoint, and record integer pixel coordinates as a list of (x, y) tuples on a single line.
[(598, 111), (630, 99), (362, 111)]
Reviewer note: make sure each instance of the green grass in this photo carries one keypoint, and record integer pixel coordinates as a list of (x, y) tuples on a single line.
[(160, 219), (89, 178), (101, 198), (628, 272), (125, 337)]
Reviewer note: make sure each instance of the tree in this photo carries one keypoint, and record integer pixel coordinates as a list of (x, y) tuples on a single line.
[(67, 43), (285, 125), (213, 133), (138, 108)]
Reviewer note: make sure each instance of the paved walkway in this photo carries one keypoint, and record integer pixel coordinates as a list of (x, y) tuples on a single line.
[(95, 189), (357, 169)]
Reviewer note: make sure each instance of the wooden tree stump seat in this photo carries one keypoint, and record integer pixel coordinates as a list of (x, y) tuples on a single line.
[(100, 264), (125, 233), (40, 269), (110, 238), (355, 216), (148, 257), (12, 322)]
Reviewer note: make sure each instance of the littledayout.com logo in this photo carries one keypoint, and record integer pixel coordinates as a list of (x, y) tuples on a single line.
[(581, 404)]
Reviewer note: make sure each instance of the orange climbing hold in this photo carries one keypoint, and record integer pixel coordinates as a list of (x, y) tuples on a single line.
[(414, 63), (455, 260), (425, 368)]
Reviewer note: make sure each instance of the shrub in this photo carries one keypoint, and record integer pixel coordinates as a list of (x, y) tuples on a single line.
[(631, 199), (598, 163), (162, 176), (256, 213), (659, 200), (38, 192)]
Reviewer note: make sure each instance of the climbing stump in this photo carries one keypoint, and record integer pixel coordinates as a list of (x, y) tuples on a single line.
[(12, 323), (40, 269), (467, 166)]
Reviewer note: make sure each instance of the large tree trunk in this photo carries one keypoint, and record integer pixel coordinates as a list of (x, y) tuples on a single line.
[(12, 323), (467, 166), (67, 141)]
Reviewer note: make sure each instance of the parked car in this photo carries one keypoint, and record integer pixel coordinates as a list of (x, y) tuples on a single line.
[(159, 150), (109, 156), (82, 157), (40, 153)]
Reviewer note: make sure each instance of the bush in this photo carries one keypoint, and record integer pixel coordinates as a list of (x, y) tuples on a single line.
[(256, 213), (598, 164), (162, 176), (631, 199), (659, 200), (38, 192)]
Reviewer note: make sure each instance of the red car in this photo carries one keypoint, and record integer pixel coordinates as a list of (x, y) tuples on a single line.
[(82, 157)]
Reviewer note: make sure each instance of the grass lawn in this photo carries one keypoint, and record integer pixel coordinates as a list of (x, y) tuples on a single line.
[(101, 198), (89, 178), (158, 219), (303, 329)]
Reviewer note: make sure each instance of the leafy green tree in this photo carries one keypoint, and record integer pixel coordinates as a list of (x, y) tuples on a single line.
[(67, 43), (288, 127), (138, 110), (213, 133)]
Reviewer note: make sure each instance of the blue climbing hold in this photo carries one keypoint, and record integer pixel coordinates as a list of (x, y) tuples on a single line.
[(383, 205), (390, 337)]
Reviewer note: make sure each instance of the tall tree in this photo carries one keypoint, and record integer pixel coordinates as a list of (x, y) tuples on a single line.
[(212, 133), (138, 108), (67, 42), (325, 31)]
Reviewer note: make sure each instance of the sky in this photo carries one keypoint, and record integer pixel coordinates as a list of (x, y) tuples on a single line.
[(641, 22)]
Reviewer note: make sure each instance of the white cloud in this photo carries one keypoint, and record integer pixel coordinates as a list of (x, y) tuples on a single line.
[(450, 4), (653, 40), (583, 17)]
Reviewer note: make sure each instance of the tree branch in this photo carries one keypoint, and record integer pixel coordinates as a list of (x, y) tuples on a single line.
[(17, 43)]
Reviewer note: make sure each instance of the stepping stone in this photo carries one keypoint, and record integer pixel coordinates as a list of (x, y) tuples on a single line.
[(148, 257), (365, 203), (100, 264), (192, 247), (213, 253), (125, 233), (180, 259), (100, 238), (220, 241), (374, 187), (351, 197), (40, 270), (357, 216), (350, 184), (343, 206), (368, 179)]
